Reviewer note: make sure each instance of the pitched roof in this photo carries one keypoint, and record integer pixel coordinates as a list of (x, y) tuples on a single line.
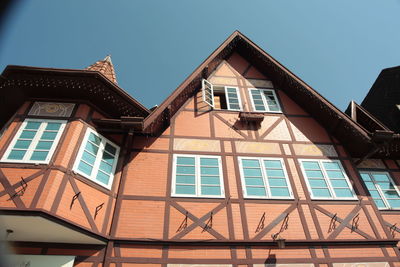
[(20, 83), (338, 124), (105, 67)]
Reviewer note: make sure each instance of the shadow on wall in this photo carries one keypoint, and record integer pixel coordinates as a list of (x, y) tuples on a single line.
[(270, 261)]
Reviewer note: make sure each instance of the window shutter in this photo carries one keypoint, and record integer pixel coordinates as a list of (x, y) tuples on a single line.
[(208, 92)]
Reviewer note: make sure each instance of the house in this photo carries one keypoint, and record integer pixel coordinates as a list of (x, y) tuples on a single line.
[(244, 164)]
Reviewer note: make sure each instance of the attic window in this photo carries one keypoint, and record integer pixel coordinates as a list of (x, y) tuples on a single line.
[(221, 97)]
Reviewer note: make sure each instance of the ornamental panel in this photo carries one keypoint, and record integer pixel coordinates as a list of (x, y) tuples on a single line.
[(51, 109)]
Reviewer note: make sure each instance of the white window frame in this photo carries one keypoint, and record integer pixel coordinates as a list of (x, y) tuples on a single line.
[(265, 100), (34, 142), (197, 176), (378, 188), (204, 82), (97, 162), (327, 180), (265, 178), (227, 98)]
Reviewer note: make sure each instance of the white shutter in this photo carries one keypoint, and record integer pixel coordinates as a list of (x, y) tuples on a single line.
[(208, 92)]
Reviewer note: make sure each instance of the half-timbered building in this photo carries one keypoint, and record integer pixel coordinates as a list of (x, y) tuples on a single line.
[(244, 164)]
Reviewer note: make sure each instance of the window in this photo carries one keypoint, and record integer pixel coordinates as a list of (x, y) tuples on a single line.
[(35, 141), (221, 97), (264, 178), (382, 189), (326, 179), (264, 100), (197, 176), (97, 159)]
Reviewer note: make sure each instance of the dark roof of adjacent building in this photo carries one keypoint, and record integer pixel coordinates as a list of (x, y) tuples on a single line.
[(383, 99)]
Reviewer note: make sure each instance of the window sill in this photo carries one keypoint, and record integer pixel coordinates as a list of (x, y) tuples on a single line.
[(26, 162), (335, 199), (84, 176), (188, 196), (269, 198)]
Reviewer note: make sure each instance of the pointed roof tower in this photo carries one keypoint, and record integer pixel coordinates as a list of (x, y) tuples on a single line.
[(106, 67)]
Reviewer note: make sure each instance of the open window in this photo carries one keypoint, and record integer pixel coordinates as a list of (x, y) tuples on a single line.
[(221, 97)]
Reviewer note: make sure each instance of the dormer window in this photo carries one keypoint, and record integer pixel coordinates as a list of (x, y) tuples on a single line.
[(221, 97)]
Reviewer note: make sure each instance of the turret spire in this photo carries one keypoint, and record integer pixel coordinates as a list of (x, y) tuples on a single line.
[(106, 67)]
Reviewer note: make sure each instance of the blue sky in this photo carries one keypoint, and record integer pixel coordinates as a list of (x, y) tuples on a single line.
[(338, 47)]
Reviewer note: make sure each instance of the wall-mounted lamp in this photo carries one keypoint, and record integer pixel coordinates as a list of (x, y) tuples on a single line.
[(280, 241)]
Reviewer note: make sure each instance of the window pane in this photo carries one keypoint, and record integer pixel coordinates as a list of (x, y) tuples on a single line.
[(185, 161), (85, 168), (250, 163), (318, 183), (102, 177), (108, 158), (365, 177), (48, 135), (390, 194), (341, 192), (380, 203), (314, 174), (16, 154), (254, 181), (39, 155), (235, 106), (91, 148), (210, 190), (186, 189), (280, 192), (370, 185), (252, 172), (208, 162), (273, 164), (277, 182), (95, 139), (275, 173), (185, 170), (260, 108), (386, 186), (22, 144), (27, 134), (33, 125), (318, 192), (44, 145), (210, 180), (380, 177), (54, 126), (89, 158), (394, 203), (209, 170), (311, 165), (185, 179), (256, 191), (374, 194), (339, 183), (107, 168), (331, 165), (110, 149), (335, 174), (273, 108)]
